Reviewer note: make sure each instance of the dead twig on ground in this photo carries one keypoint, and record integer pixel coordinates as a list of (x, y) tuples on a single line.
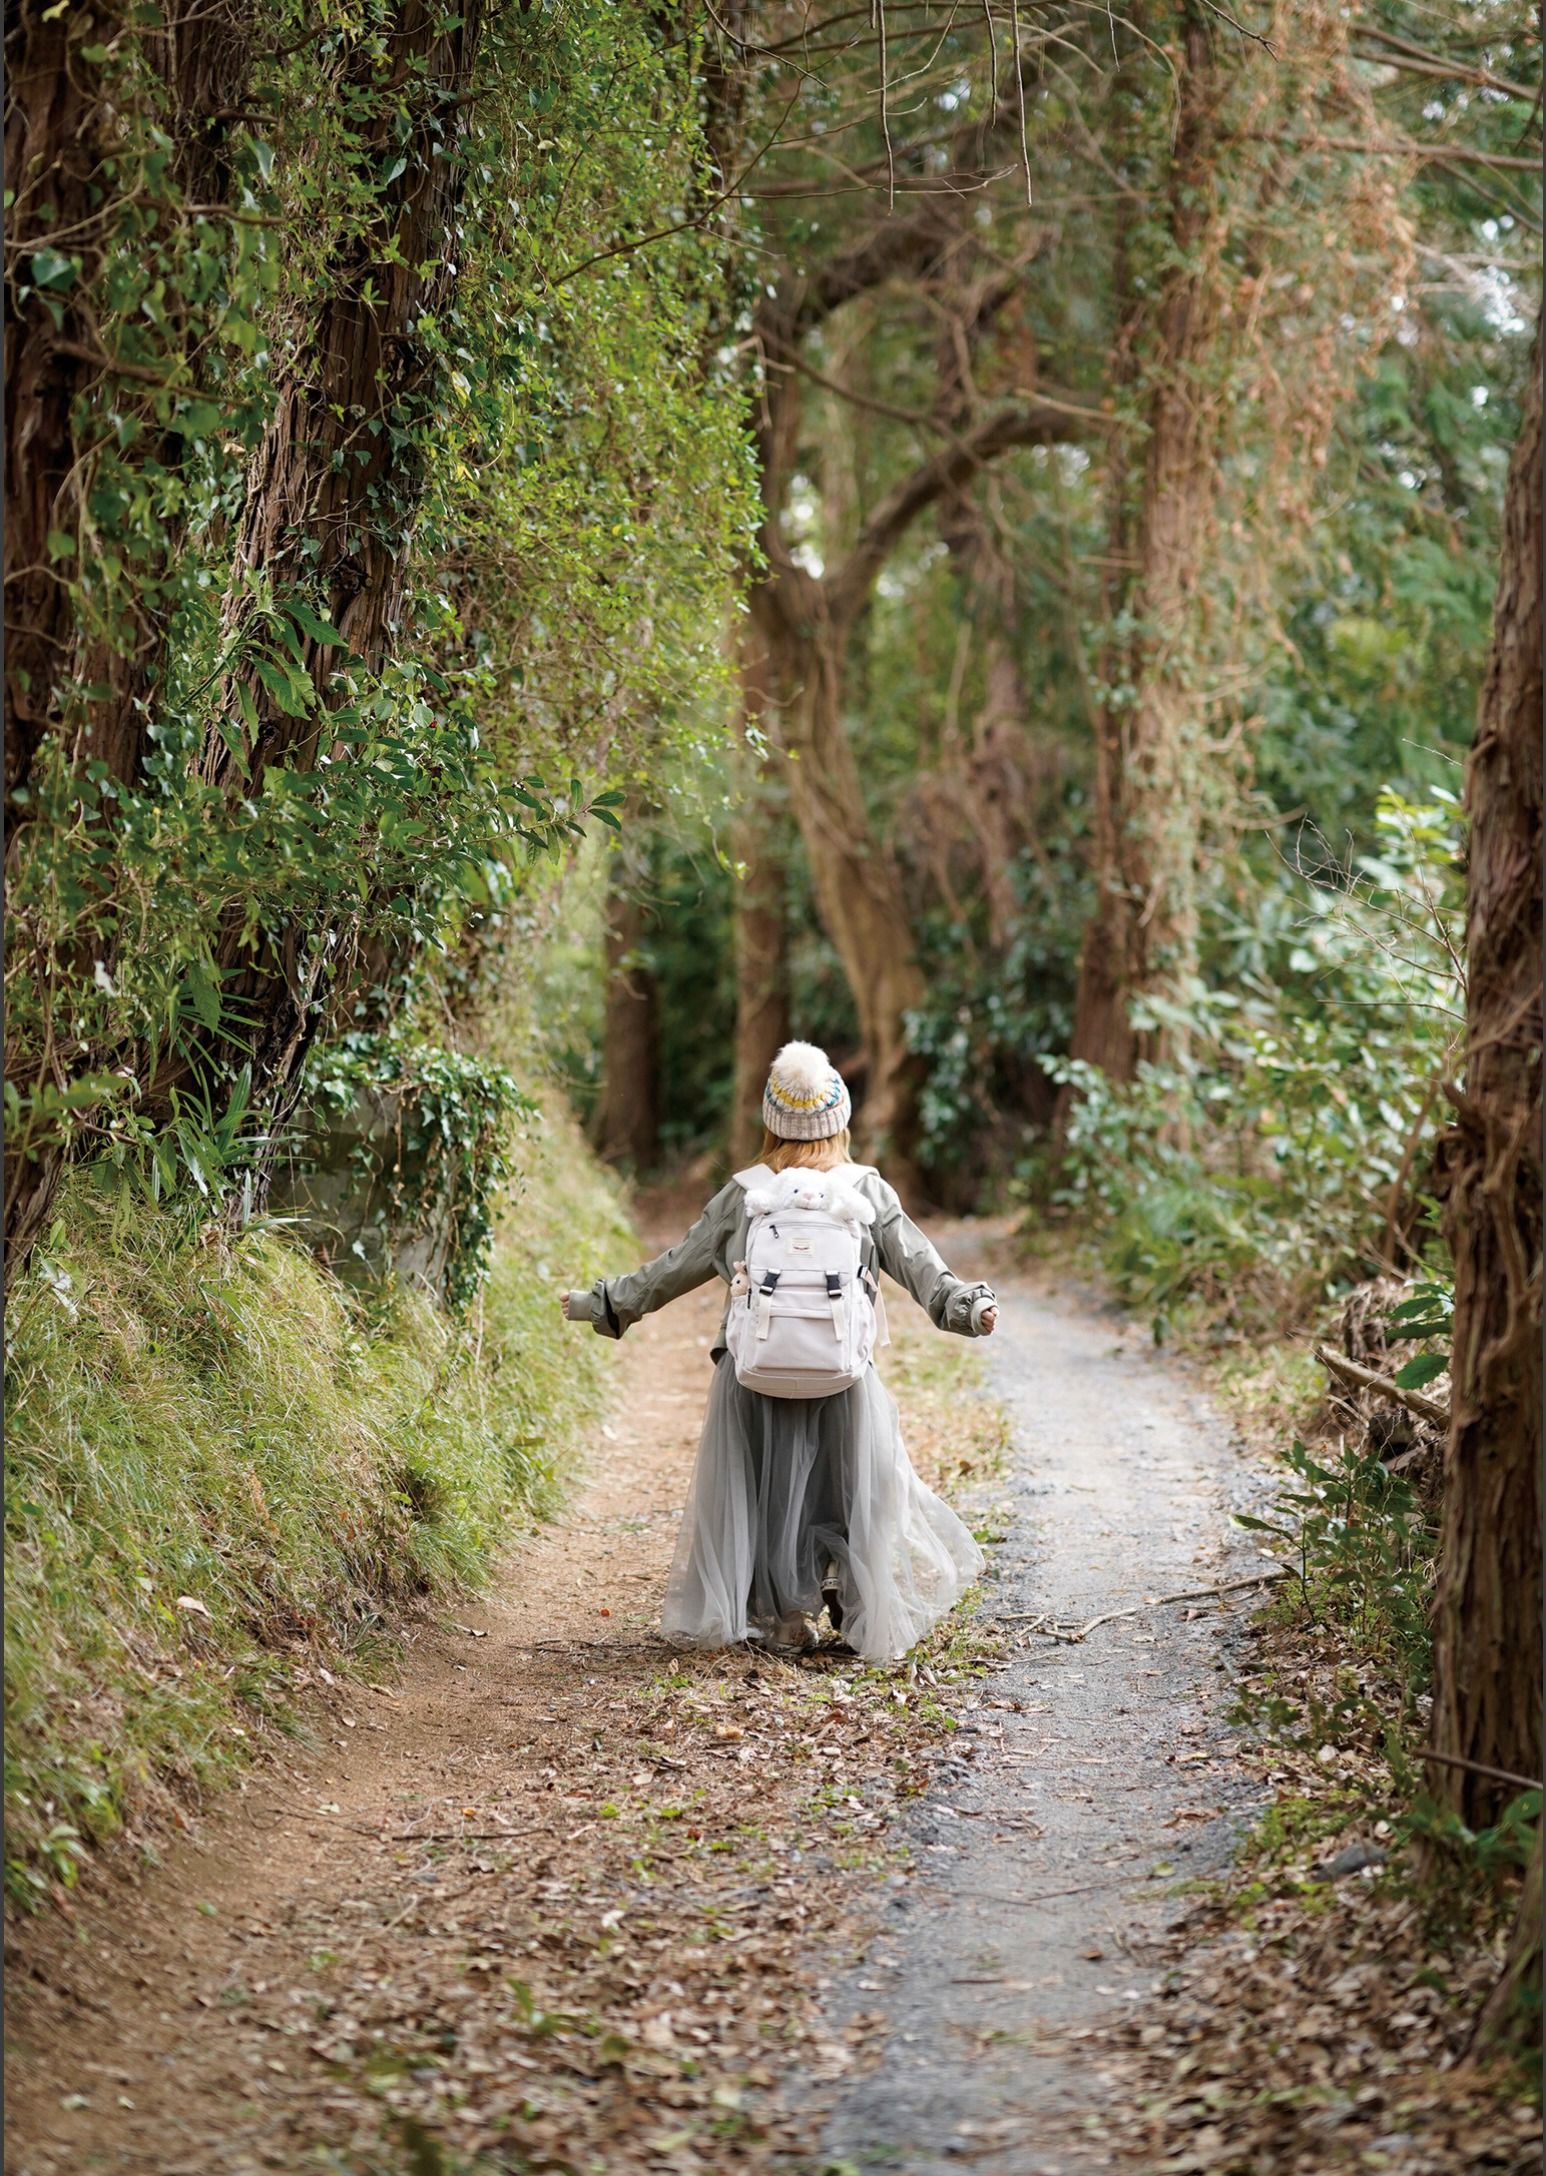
[(1353, 1371), (1480, 1768), (1070, 1636)]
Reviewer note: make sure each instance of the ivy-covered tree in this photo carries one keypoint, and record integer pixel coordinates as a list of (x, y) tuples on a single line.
[(366, 350), (1487, 1656)]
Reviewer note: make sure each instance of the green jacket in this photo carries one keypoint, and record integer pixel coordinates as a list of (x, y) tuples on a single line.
[(718, 1241)]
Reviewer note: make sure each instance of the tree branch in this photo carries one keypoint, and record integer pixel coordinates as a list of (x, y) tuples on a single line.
[(1351, 1371), (1424, 61), (897, 245), (1039, 423)]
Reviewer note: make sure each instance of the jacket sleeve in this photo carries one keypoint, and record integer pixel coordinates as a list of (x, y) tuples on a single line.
[(615, 1304), (917, 1265)]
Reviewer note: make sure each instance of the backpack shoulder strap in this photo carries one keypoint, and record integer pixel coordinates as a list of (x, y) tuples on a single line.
[(754, 1175)]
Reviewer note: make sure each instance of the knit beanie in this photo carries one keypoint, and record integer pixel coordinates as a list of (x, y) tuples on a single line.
[(806, 1098)]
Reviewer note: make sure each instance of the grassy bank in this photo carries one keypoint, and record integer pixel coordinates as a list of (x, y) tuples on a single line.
[(223, 1467)]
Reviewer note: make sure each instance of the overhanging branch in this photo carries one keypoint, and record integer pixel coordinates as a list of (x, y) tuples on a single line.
[(1035, 423)]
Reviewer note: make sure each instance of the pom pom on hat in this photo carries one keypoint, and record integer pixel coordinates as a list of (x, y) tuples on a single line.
[(806, 1098)]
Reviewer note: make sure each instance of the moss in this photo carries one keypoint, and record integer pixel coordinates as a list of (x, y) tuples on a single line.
[(221, 1464)]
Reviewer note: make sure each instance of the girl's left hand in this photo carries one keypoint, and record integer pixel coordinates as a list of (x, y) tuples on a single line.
[(989, 1322)]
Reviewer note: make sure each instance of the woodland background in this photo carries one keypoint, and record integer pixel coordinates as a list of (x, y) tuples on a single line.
[(552, 545)]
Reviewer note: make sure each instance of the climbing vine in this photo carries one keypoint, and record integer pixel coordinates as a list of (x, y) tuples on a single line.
[(373, 527)]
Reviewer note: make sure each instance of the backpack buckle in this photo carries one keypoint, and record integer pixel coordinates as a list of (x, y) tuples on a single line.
[(835, 1302)]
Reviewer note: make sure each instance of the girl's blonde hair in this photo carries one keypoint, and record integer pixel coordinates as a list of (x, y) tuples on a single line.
[(825, 1155)]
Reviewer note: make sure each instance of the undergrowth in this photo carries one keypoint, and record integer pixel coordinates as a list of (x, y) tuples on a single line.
[(221, 1464)]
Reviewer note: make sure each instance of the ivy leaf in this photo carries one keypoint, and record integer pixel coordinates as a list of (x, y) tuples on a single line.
[(312, 623), (53, 270), (1422, 1370)]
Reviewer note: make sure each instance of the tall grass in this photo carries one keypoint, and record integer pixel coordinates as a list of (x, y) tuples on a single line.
[(223, 1465)]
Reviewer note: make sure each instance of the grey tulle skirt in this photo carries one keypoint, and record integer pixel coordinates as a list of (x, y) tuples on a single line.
[(784, 1488)]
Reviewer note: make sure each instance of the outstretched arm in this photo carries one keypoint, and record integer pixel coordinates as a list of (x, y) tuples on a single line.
[(909, 1256), (615, 1304)]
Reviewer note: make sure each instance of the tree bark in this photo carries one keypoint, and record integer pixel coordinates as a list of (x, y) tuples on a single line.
[(1487, 1618), (334, 490), (63, 677), (59, 126), (759, 842), (1142, 936), (57, 129), (627, 1127), (857, 885), (336, 482), (807, 622)]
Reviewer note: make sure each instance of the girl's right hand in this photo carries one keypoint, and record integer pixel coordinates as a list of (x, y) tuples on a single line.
[(563, 1306)]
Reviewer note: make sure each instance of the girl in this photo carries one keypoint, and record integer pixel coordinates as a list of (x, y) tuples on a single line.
[(800, 1501)]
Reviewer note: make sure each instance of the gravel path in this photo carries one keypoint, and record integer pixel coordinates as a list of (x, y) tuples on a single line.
[(1102, 1773)]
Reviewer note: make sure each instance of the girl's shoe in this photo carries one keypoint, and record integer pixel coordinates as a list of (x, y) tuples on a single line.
[(794, 1629), (832, 1599)]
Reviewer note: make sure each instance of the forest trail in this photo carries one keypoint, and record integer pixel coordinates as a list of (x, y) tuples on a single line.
[(562, 1893), (1105, 1772)]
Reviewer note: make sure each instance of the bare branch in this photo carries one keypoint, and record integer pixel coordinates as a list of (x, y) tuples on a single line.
[(1038, 423)]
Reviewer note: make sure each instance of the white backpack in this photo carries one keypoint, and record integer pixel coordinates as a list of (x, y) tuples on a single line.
[(802, 1304)]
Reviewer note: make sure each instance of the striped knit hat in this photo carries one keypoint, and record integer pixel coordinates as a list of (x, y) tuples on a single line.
[(806, 1098)]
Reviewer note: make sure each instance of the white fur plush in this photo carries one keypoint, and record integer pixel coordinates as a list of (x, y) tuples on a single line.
[(802, 1070), (816, 1190)]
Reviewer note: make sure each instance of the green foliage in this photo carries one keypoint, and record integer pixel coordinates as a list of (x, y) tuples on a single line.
[(1503, 1847), (565, 488), (222, 1466), (1365, 1554), (1273, 1160), (450, 1155), (995, 1011), (689, 953)]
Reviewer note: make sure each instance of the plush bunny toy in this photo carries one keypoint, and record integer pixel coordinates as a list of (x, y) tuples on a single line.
[(815, 1190)]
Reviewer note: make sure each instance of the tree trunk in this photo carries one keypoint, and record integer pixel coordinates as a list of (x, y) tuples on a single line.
[(627, 1127), (57, 130), (1487, 1654), (759, 843), (1142, 936), (858, 888), (334, 490), (59, 126)]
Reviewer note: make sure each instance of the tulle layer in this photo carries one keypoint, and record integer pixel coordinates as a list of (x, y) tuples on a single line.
[(784, 1488)]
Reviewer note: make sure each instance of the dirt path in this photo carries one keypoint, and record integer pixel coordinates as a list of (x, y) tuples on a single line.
[(570, 1901)]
